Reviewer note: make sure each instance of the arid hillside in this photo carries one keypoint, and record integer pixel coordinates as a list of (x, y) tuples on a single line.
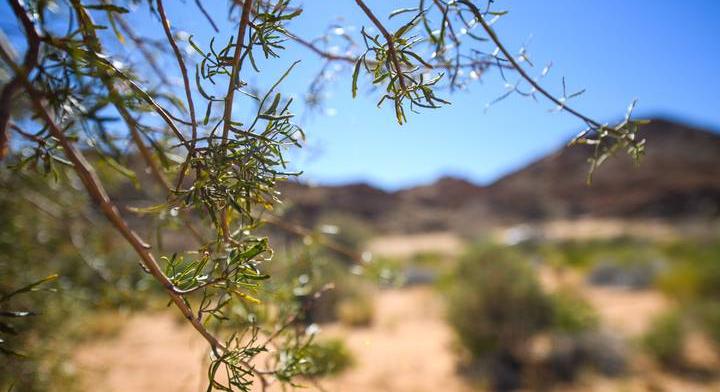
[(678, 179)]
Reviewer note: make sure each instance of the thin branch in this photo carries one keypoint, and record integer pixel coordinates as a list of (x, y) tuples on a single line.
[(9, 90), (94, 186), (230, 96), (324, 241), (390, 42), (232, 84), (140, 44), (489, 30), (207, 15), (186, 84)]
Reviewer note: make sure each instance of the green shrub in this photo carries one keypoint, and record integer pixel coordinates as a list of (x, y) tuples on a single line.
[(572, 313), (315, 359), (695, 272), (708, 315), (665, 340), (356, 311), (328, 358), (496, 303)]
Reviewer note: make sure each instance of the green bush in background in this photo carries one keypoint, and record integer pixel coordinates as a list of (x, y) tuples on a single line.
[(495, 303), (665, 339)]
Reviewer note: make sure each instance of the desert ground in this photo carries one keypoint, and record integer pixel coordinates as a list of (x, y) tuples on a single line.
[(408, 347)]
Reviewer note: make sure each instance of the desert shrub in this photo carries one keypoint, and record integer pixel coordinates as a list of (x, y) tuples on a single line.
[(577, 343), (428, 259), (315, 359), (633, 276), (572, 314), (496, 305), (621, 251), (322, 286), (498, 308), (708, 316), (695, 272), (58, 235), (356, 311), (665, 339), (495, 302), (384, 271), (575, 352)]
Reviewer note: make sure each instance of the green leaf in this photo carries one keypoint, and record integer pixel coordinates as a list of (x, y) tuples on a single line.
[(400, 11), (122, 170), (107, 7), (356, 73), (30, 287), (149, 210)]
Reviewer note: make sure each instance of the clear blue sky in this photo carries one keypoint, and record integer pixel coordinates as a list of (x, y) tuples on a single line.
[(665, 53)]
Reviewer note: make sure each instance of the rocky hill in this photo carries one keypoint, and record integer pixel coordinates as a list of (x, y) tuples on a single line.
[(679, 178)]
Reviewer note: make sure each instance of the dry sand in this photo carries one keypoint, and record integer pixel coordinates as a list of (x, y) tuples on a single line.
[(408, 348)]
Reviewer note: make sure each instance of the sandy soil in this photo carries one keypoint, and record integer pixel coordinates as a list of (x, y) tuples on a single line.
[(152, 352), (407, 349), (407, 245)]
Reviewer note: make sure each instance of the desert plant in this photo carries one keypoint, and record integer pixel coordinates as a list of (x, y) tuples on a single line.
[(498, 309), (356, 311), (665, 340), (707, 314), (572, 314), (92, 105), (495, 302), (316, 359)]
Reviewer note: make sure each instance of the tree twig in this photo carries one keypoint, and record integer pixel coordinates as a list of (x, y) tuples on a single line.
[(520, 70), (392, 53)]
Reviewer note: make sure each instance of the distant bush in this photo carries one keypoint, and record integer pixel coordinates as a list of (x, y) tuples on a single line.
[(572, 314), (315, 359), (496, 303), (665, 339), (499, 310), (695, 272), (693, 280), (356, 311), (708, 315)]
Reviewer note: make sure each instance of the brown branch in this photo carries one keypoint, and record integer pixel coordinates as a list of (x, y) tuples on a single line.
[(9, 90), (207, 15), (229, 97), (324, 241), (94, 186), (390, 42), (520, 70), (93, 43), (140, 44), (25, 134), (322, 53), (97, 192), (186, 84)]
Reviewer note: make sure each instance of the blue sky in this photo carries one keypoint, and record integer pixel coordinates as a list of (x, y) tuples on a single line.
[(662, 52), (659, 51)]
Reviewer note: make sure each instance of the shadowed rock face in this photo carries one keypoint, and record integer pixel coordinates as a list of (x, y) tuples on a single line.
[(679, 178)]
